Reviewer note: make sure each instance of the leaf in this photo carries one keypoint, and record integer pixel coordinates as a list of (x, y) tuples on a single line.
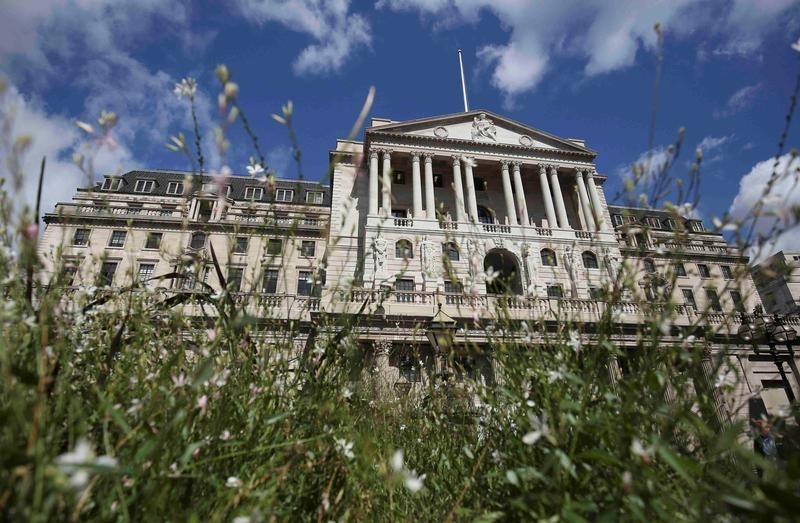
[(512, 477), (85, 127), (280, 119)]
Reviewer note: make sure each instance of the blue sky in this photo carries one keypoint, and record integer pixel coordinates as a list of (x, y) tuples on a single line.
[(574, 69)]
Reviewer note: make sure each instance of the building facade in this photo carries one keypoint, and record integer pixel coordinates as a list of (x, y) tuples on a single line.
[(457, 216), (778, 281)]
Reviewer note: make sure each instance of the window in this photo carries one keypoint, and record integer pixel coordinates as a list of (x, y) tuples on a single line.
[(408, 368), (589, 260), (631, 219), (670, 224), (404, 285), (146, 271), (680, 270), (697, 226), (191, 280), (153, 240), (641, 240), (549, 258), (111, 184), (713, 300), (596, 293), (398, 177), (450, 251), (688, 298), (438, 180), (269, 281), (175, 188), (480, 184), (653, 222), (144, 186), (485, 215), (69, 275), (240, 245), (453, 287), (253, 193), (649, 265), (304, 283), (117, 239), (274, 247), (235, 279), (617, 219), (704, 270), (399, 213), (727, 273), (738, 302), (198, 240), (555, 291), (315, 196), (107, 271), (308, 248), (403, 249), (284, 195), (81, 237)]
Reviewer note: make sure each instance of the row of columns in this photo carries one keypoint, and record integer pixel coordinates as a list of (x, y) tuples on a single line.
[(467, 208)]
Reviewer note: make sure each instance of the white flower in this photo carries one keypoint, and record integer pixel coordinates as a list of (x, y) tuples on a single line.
[(413, 482), (202, 403), (78, 463), (575, 341), (225, 436), (254, 170), (688, 341), (491, 274), (727, 377), (347, 393), (186, 88), (345, 448), (233, 482), (646, 453), (540, 429), (796, 45), (180, 380), (397, 460)]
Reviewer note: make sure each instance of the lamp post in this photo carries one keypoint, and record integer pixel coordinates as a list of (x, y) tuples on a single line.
[(441, 330), (773, 331)]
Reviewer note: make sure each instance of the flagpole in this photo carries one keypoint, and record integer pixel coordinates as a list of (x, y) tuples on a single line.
[(463, 83)]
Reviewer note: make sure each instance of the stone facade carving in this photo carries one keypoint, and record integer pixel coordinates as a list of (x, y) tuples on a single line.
[(483, 127), (569, 265), (379, 245), (430, 265), (440, 132)]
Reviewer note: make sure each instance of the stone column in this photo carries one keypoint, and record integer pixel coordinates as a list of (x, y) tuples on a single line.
[(721, 414), (459, 189), (614, 372), (373, 182), (594, 196), (561, 210), (416, 185), (511, 212), (387, 183), (522, 206), (548, 199), (584, 198), (430, 201), (472, 201)]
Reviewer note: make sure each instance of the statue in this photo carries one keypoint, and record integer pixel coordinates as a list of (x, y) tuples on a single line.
[(428, 257), (483, 127), (379, 253), (569, 264)]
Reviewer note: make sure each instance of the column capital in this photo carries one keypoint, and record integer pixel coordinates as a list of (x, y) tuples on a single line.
[(543, 168), (516, 164), (415, 156), (552, 167), (590, 172), (579, 172), (456, 159), (373, 153), (387, 153), (428, 156), (505, 163)]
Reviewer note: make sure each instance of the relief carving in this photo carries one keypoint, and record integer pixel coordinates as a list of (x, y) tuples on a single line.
[(483, 127)]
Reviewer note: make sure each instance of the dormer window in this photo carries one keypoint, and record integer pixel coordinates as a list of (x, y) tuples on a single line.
[(144, 186), (315, 197), (112, 184), (697, 226), (253, 193), (175, 188), (284, 195), (653, 222), (617, 219)]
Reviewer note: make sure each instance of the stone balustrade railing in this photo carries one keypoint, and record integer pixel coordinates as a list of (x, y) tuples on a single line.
[(116, 210)]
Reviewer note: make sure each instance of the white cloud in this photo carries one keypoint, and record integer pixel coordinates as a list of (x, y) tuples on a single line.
[(606, 36), (709, 143), (777, 205), (739, 100), (55, 137), (650, 164), (337, 31)]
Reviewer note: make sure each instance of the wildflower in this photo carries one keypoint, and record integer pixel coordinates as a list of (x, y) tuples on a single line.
[(107, 120), (540, 429), (254, 170), (402, 427), (726, 378), (233, 482), (627, 481), (575, 341), (202, 403), (225, 436), (646, 453), (555, 375), (345, 448), (186, 88), (77, 463), (688, 341), (347, 393), (411, 480), (491, 274), (180, 380)]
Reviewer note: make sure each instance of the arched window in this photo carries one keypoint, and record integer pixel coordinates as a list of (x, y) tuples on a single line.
[(198, 240), (549, 258), (450, 251), (485, 215), (403, 249), (589, 260), (649, 265)]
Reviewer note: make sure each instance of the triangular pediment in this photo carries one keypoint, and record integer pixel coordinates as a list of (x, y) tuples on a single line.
[(483, 127)]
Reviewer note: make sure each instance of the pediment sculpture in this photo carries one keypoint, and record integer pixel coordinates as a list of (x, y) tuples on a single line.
[(483, 127)]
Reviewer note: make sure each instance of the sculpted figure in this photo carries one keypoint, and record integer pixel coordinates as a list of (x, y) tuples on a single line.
[(379, 253), (428, 257), (483, 127)]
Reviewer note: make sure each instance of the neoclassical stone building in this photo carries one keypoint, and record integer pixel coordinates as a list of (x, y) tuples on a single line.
[(467, 217)]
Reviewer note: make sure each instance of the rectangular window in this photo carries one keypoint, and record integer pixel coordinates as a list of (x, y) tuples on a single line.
[(235, 279), (112, 184), (308, 248), (240, 247), (555, 291), (404, 284), (738, 302), (253, 193), (274, 247), (284, 195), (269, 282), (453, 287), (304, 283), (315, 197), (146, 271), (713, 300), (107, 271), (704, 271), (198, 240), (81, 237), (641, 240), (669, 224), (153, 240), (653, 222), (438, 180), (398, 177), (117, 239), (727, 273), (688, 298), (175, 188), (144, 186), (595, 293), (617, 219), (698, 226), (680, 270)]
